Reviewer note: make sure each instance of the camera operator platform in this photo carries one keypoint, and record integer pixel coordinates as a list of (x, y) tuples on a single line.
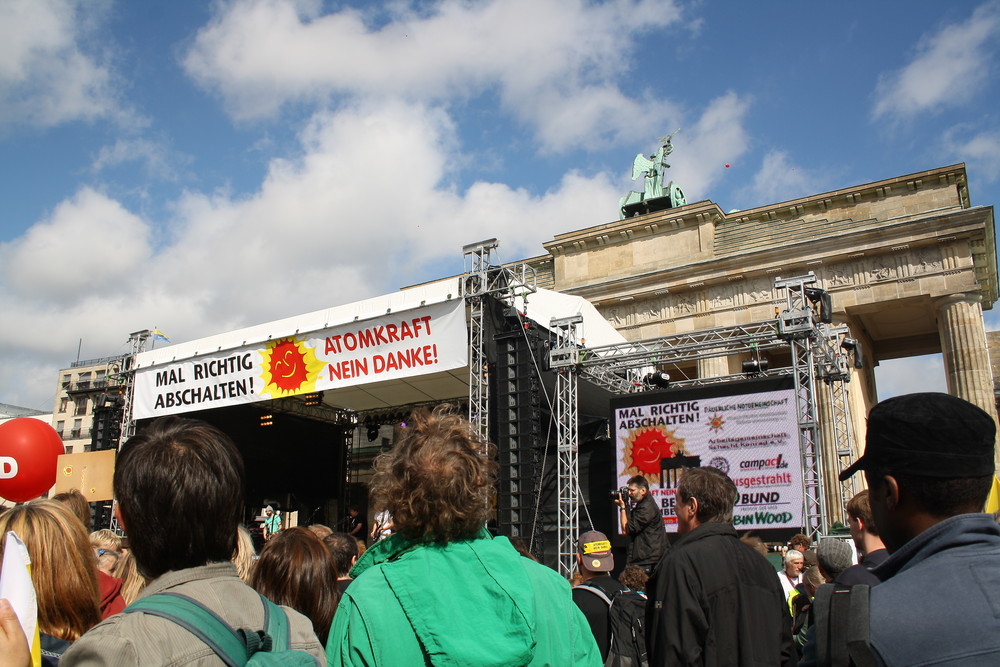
[(641, 521)]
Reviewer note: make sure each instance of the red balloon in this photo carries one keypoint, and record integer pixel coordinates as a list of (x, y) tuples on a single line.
[(29, 453)]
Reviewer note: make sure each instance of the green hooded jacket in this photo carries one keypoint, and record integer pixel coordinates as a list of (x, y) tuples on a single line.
[(475, 602)]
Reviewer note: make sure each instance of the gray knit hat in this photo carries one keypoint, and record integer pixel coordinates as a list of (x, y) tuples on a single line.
[(834, 555)]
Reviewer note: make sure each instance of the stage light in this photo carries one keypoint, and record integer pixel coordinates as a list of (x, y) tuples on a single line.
[(373, 431), (815, 294), (755, 366), (267, 420), (313, 399), (658, 379), (854, 345)]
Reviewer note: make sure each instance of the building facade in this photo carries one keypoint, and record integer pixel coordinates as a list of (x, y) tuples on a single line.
[(81, 390), (909, 262)]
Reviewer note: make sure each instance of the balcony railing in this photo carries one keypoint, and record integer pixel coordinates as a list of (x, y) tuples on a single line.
[(87, 385)]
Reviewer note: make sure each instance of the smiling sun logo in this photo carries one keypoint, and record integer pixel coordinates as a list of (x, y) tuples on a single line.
[(289, 368), (716, 422), (646, 447)]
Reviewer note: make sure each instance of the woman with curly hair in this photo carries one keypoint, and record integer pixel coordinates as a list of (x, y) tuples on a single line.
[(63, 571), (295, 569), (441, 589)]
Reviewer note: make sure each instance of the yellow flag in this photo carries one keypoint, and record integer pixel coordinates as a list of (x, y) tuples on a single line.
[(993, 502)]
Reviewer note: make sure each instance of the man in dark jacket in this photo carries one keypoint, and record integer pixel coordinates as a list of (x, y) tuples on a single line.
[(643, 524), (714, 600), (864, 532), (929, 465)]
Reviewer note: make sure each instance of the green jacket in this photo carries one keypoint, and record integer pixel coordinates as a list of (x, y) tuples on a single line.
[(470, 603)]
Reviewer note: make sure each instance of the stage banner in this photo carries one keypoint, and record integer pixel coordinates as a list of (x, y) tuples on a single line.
[(752, 437), (406, 344)]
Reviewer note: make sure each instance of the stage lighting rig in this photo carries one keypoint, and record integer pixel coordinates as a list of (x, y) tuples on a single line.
[(853, 346), (754, 366), (373, 431), (659, 379), (822, 297)]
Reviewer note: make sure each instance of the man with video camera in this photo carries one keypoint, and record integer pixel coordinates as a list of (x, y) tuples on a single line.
[(642, 522)]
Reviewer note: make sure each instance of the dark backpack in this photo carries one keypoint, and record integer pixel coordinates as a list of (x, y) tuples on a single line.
[(841, 615), (627, 618), (235, 648)]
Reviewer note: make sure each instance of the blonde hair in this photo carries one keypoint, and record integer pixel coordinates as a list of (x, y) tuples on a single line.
[(132, 581), (243, 557), (105, 539), (63, 566)]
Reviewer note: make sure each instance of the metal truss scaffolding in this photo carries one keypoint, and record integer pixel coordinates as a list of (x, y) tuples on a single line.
[(797, 326), (564, 357), (817, 349), (483, 280), (126, 380)]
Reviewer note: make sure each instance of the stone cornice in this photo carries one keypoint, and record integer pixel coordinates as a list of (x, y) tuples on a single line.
[(974, 225), (624, 231)]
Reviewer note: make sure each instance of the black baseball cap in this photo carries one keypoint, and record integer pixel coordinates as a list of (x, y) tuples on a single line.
[(928, 435)]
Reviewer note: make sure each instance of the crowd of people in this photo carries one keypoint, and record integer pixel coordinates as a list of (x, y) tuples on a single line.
[(434, 587)]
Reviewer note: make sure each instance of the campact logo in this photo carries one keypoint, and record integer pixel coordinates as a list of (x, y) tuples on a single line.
[(776, 463)]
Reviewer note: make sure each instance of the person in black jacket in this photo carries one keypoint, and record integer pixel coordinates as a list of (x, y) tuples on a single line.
[(642, 521), (712, 599)]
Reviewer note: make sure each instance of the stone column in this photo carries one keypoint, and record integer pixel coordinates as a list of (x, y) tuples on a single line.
[(713, 367), (827, 448), (963, 347)]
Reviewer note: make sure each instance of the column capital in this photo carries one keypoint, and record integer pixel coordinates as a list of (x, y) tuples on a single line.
[(958, 297)]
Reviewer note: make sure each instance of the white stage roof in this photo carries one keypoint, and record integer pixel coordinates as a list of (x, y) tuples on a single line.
[(363, 396)]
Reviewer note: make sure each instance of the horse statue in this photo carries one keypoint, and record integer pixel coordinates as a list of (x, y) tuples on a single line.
[(655, 196)]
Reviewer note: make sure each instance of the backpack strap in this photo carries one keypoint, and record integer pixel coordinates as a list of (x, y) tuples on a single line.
[(276, 625), (596, 591), (197, 619), (859, 644)]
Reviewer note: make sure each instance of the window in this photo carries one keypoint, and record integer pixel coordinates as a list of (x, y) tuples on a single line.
[(60, 425), (83, 381), (77, 428), (64, 404), (81, 406), (66, 379)]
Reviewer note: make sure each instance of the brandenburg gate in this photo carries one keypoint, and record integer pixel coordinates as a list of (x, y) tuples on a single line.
[(909, 262)]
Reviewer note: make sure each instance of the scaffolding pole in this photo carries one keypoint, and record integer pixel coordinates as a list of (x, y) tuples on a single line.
[(126, 379), (797, 326), (564, 358)]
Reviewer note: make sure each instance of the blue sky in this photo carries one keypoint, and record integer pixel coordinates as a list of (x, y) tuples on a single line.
[(203, 166)]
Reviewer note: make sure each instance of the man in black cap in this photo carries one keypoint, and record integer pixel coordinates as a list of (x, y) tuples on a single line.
[(595, 561), (929, 465)]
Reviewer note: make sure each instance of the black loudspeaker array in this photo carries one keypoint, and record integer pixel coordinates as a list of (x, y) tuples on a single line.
[(518, 424)]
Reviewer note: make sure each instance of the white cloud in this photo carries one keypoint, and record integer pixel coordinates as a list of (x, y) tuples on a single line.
[(555, 65), (88, 245), (981, 150), (778, 180), (950, 66), (367, 206), (154, 157), (896, 377), (704, 147), (48, 73)]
